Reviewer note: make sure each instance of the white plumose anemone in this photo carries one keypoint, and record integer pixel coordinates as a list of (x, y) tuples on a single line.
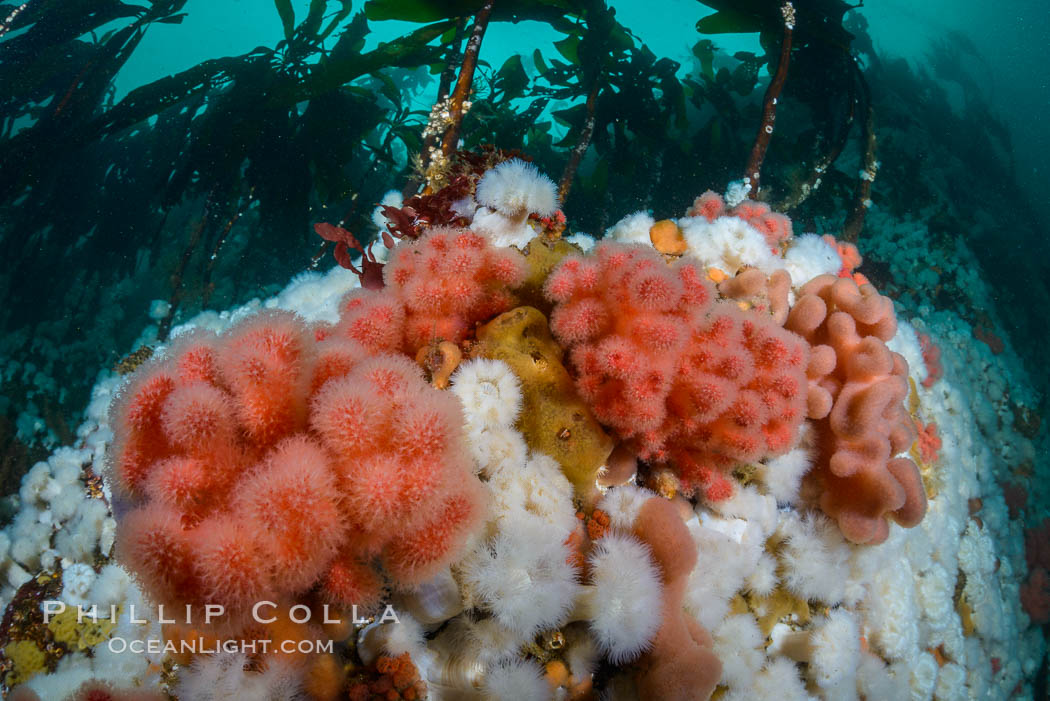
[(516, 680), (522, 575), (634, 228), (729, 244), (489, 391), (508, 194), (808, 256), (625, 601), (622, 504), (514, 187)]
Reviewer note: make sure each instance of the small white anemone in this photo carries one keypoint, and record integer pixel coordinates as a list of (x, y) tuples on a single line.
[(634, 228), (783, 474), (624, 603), (516, 680), (623, 503), (76, 583), (514, 188), (522, 576), (489, 391), (808, 256), (739, 645), (831, 649), (538, 488)]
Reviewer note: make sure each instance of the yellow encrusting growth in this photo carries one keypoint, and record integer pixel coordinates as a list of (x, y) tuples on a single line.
[(85, 634), (553, 419), (27, 661), (541, 255), (930, 478), (780, 606), (963, 607)]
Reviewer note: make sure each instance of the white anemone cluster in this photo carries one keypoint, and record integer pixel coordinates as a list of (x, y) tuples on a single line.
[(729, 244), (516, 680), (523, 577), (507, 195), (224, 677), (634, 228), (521, 572)]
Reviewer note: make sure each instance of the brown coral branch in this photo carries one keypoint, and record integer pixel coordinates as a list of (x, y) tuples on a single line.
[(769, 106), (7, 22), (318, 256), (454, 60), (208, 285), (807, 187), (466, 79), (581, 144), (455, 56), (177, 287), (862, 193)]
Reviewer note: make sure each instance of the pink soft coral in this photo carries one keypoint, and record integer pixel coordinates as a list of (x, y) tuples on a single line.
[(1016, 496), (861, 483), (774, 227), (931, 358), (681, 664), (1035, 592), (1037, 546), (759, 292), (929, 441), (264, 464), (682, 377), (709, 205), (438, 287), (93, 690)]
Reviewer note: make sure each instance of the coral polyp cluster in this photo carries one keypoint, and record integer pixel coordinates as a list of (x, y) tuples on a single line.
[(683, 377), (437, 287), (264, 465)]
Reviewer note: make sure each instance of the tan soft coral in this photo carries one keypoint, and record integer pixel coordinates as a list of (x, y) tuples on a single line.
[(681, 665), (752, 289), (860, 481)]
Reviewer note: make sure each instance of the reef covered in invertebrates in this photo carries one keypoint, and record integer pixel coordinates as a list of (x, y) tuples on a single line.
[(723, 412)]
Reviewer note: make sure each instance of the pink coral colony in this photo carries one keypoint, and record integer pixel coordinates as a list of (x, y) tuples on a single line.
[(264, 463), (1035, 591), (681, 376)]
